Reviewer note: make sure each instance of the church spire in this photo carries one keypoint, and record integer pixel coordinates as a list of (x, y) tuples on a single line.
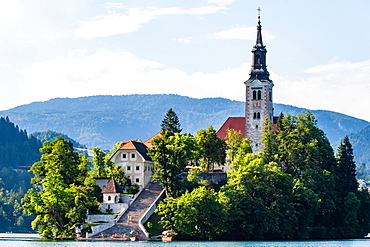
[(259, 67), (259, 30)]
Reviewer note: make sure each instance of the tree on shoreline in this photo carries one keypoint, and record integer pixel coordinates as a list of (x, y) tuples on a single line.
[(61, 195)]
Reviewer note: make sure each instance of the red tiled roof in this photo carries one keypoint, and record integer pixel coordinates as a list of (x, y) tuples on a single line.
[(148, 142), (139, 146), (236, 123), (112, 187)]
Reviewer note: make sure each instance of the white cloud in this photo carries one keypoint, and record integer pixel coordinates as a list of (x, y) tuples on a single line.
[(130, 20), (120, 72), (340, 86), (244, 33)]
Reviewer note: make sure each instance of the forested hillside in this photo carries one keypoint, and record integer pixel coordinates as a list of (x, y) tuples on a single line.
[(105, 120), (361, 148), (17, 149), (51, 135), (18, 152)]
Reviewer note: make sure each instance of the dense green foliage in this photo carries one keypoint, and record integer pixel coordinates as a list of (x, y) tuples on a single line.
[(61, 191), (212, 149), (99, 121), (17, 153), (17, 149), (170, 154), (13, 184), (198, 214), (294, 189), (103, 167)]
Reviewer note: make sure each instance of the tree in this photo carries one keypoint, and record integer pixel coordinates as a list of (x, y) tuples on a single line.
[(171, 122), (99, 162), (198, 214), (103, 167), (270, 149), (61, 195), (213, 149), (260, 199), (170, 154), (348, 204), (235, 144), (346, 169)]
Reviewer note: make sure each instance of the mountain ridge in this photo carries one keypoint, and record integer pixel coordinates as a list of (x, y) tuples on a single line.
[(103, 120)]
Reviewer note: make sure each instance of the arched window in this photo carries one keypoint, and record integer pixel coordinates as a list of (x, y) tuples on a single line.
[(259, 96), (109, 198), (258, 115), (254, 95), (254, 115)]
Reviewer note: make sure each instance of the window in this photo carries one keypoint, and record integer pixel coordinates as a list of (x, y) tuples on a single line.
[(256, 126), (109, 198), (128, 168), (137, 168), (133, 156), (137, 180), (124, 156), (256, 115), (257, 94)]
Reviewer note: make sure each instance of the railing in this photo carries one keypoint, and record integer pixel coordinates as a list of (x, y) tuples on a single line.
[(129, 204), (149, 212)]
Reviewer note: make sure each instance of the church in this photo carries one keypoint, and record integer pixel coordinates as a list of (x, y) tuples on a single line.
[(258, 99)]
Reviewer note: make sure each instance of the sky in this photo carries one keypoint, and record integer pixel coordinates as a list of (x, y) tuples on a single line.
[(318, 51)]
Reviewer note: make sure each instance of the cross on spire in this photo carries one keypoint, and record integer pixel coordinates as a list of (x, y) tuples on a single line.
[(259, 12)]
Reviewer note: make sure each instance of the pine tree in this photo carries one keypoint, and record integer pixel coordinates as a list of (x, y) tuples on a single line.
[(346, 169), (171, 122)]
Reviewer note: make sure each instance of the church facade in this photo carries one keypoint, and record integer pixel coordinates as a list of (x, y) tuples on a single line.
[(258, 101)]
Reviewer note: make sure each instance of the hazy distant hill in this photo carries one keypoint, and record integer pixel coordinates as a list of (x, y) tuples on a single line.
[(104, 120), (361, 146)]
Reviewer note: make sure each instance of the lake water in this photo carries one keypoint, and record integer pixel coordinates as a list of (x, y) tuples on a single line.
[(44, 243)]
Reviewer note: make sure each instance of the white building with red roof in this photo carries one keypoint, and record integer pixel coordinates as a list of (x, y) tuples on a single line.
[(133, 157)]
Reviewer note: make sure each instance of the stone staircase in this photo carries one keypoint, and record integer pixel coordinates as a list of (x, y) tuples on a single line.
[(130, 219)]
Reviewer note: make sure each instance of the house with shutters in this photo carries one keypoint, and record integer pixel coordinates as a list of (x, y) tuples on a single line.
[(133, 157)]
